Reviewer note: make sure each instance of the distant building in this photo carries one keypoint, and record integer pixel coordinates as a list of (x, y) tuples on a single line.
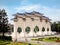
[(31, 24)]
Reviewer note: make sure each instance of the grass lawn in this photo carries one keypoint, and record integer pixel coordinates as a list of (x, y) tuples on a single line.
[(7, 42), (49, 39), (14, 43), (4, 42)]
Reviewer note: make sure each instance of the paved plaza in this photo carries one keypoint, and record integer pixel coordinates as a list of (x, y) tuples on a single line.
[(44, 43)]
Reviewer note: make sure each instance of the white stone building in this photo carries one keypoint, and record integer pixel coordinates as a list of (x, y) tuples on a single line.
[(31, 24)]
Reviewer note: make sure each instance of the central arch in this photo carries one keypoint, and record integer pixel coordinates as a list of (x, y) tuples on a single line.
[(36, 29), (27, 29)]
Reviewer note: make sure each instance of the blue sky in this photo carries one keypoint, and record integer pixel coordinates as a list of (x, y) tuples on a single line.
[(50, 8)]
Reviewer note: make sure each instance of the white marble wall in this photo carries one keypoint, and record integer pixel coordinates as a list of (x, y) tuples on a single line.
[(31, 24)]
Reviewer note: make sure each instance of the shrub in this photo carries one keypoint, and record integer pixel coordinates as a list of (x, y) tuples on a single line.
[(57, 40), (34, 39), (41, 39), (9, 38), (29, 44)]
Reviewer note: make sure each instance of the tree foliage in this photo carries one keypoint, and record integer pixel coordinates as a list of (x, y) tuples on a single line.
[(3, 22), (55, 26)]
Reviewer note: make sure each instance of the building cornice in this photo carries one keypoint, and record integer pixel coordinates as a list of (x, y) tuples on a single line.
[(30, 15)]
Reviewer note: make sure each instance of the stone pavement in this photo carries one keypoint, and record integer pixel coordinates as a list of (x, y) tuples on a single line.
[(44, 43)]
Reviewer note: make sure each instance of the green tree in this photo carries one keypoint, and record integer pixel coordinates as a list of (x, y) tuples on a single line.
[(54, 26), (36, 29), (3, 22), (58, 28), (0, 20)]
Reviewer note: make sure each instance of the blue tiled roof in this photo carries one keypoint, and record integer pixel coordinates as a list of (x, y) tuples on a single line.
[(31, 13)]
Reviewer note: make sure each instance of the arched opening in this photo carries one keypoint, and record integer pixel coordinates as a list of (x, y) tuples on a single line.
[(27, 29), (19, 30), (43, 29), (36, 29), (47, 29)]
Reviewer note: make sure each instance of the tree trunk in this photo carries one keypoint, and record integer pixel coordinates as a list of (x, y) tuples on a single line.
[(3, 35)]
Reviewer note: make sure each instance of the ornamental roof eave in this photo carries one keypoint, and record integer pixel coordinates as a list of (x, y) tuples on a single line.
[(30, 15)]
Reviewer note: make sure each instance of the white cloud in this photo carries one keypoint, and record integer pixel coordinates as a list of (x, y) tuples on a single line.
[(4, 7), (9, 13), (27, 8), (52, 13)]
